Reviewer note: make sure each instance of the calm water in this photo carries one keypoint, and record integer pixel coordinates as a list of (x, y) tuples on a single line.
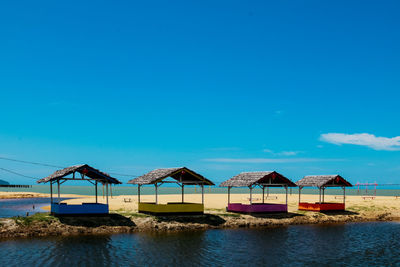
[(19, 207), (361, 244)]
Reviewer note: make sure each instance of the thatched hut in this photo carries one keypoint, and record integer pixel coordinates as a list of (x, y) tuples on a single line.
[(322, 182), (86, 173), (181, 176), (264, 179)]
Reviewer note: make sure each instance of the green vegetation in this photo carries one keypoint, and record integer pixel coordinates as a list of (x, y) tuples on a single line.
[(236, 215), (302, 212), (357, 208), (217, 210), (222, 212), (130, 214), (38, 217)]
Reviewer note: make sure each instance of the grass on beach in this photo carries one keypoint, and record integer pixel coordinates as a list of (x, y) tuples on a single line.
[(370, 208), (221, 212), (38, 217), (130, 214)]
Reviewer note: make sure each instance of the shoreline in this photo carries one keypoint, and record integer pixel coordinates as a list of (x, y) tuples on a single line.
[(46, 225), (18, 195), (124, 218)]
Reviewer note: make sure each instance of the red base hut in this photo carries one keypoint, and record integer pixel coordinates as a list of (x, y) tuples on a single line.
[(322, 182)]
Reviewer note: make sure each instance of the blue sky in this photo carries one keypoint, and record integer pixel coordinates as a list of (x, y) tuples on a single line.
[(300, 87)]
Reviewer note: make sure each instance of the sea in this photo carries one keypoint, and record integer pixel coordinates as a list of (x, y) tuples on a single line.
[(130, 190)]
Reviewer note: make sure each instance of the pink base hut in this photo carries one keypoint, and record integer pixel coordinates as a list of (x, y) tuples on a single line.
[(263, 180), (256, 208)]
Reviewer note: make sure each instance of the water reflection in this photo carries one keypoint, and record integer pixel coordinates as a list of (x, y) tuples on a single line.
[(339, 245)]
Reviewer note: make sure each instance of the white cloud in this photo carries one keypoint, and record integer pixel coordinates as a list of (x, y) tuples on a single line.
[(363, 139), (289, 153), (225, 149), (266, 160), (268, 151), (283, 153)]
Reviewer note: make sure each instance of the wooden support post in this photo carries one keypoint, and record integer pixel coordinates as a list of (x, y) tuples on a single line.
[(251, 196), (323, 194), (156, 192), (299, 193), (263, 188), (319, 195), (138, 192), (183, 198), (286, 195), (107, 193), (58, 185), (202, 194), (229, 195), (95, 185), (51, 192), (344, 195)]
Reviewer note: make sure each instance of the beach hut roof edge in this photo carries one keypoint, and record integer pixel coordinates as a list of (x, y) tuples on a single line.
[(245, 179), (85, 169), (323, 180), (180, 174)]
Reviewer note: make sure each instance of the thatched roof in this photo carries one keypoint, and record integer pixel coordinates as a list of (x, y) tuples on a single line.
[(323, 180), (83, 169), (181, 174), (268, 178)]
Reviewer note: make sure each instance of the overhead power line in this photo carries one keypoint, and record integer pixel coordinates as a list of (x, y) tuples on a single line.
[(120, 174), (31, 162), (56, 166), (17, 173)]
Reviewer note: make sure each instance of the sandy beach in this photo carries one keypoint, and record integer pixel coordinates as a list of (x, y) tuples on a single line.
[(218, 202)]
